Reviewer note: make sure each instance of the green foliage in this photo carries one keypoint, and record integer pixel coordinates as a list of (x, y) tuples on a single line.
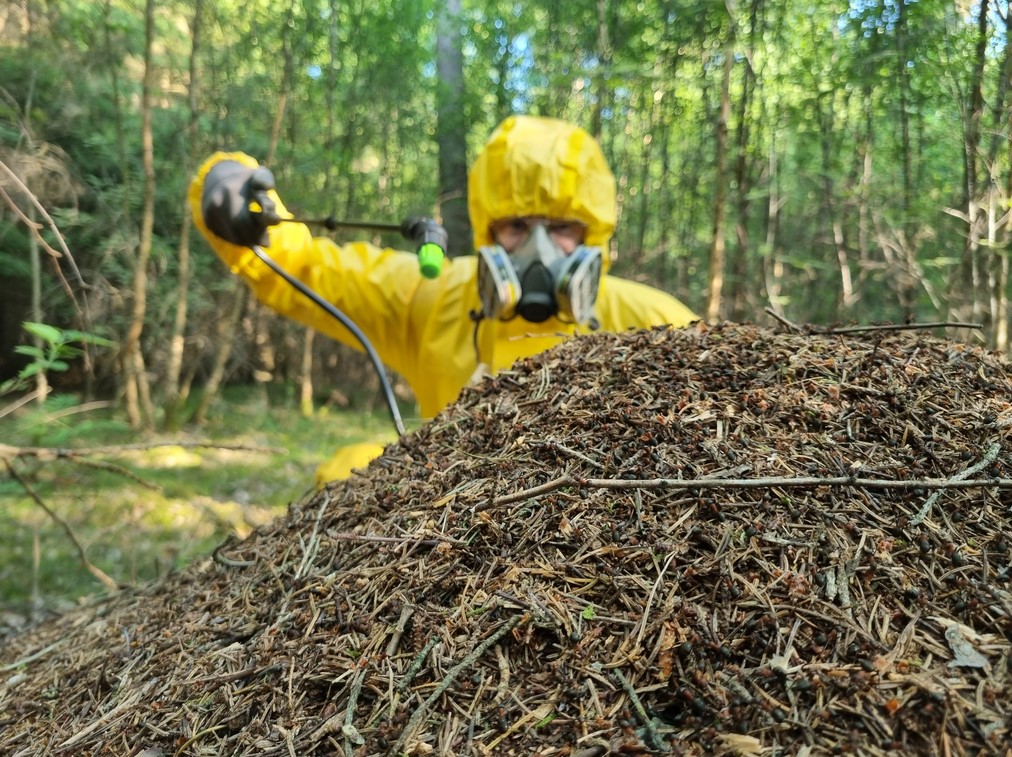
[(16, 265), (846, 138), (136, 533), (59, 346)]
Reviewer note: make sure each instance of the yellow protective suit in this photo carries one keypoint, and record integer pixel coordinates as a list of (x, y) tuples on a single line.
[(421, 328)]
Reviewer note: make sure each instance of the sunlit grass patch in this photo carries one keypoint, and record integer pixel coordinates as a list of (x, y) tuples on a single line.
[(156, 508)]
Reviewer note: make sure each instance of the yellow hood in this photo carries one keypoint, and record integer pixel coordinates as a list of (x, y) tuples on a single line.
[(536, 166)]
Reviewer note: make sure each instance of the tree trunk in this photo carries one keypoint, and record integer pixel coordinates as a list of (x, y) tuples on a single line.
[(451, 131), (329, 138), (306, 375), (773, 266), (173, 370), (967, 281), (41, 382), (908, 285), (224, 339), (1001, 326), (284, 91), (743, 179), (265, 352), (601, 90), (656, 95), (831, 216), (116, 101), (667, 194), (34, 254), (720, 179), (139, 409)]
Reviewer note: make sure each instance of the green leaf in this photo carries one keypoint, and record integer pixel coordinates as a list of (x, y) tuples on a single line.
[(588, 613), (44, 331), (68, 351), (73, 335), (58, 365), (31, 351)]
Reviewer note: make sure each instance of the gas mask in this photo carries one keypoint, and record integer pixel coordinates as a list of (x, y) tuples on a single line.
[(538, 280)]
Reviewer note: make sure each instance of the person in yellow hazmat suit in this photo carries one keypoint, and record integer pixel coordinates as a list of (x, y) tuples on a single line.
[(542, 204)]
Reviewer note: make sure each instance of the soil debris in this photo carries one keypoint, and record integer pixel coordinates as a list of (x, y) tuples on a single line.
[(711, 540)]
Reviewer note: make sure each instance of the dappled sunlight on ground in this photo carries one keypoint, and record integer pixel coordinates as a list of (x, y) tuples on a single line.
[(146, 510)]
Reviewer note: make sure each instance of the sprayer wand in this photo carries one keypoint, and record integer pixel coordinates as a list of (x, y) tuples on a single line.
[(429, 235)]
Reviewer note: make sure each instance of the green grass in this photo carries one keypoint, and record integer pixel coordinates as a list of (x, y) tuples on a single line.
[(135, 533)]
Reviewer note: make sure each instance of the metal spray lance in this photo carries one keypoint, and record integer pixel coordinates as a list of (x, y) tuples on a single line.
[(429, 235)]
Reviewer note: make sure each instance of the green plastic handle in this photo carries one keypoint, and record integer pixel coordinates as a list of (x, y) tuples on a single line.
[(430, 260)]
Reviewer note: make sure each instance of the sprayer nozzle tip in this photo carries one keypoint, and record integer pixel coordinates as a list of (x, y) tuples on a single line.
[(430, 260)]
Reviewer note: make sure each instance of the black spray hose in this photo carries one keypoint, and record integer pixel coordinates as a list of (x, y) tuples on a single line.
[(345, 321)]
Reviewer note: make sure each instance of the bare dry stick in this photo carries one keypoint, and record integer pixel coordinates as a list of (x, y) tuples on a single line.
[(34, 226), (413, 540), (54, 255), (132, 698), (989, 457), (94, 570), (650, 598), (119, 469), (793, 327), (416, 664), (34, 656), (742, 483), (402, 624), (903, 327), (22, 401), (56, 453), (789, 325), (423, 709)]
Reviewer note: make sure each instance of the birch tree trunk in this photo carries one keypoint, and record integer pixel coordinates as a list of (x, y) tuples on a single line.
[(451, 131), (266, 351), (717, 251), (224, 340), (139, 407), (173, 398), (964, 291), (740, 279)]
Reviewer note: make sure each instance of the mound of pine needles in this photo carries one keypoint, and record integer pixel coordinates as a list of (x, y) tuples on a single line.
[(712, 540)]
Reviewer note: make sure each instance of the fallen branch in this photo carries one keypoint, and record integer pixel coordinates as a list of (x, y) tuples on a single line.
[(789, 325), (902, 327), (106, 580), (54, 255), (352, 738), (800, 482), (798, 329), (57, 453), (989, 457)]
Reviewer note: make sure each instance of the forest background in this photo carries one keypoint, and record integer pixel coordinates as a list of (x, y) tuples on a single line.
[(825, 162)]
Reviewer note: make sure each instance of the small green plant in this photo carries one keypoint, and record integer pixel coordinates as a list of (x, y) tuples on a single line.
[(59, 346)]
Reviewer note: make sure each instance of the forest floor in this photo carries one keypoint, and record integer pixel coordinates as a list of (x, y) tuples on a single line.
[(142, 512)]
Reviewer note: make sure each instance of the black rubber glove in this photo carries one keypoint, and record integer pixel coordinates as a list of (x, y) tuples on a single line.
[(229, 189), (423, 231)]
